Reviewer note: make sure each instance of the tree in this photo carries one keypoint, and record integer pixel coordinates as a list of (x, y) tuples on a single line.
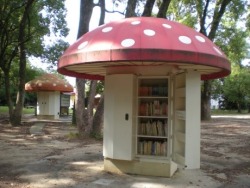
[(86, 121), (223, 12), (236, 88), (216, 20), (23, 25), (31, 73)]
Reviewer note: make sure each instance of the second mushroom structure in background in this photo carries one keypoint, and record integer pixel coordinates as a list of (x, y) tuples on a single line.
[(152, 69), (51, 98)]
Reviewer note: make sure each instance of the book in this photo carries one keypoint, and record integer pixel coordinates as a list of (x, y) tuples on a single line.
[(152, 148)]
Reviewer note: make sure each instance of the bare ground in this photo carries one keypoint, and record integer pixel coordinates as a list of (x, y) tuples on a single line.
[(53, 160)]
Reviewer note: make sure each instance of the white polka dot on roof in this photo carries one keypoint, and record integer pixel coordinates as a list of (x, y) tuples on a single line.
[(149, 32), (128, 42), (40, 84), (167, 26), (107, 29), (135, 22), (199, 38), (217, 50), (65, 85), (82, 45), (54, 84), (185, 39)]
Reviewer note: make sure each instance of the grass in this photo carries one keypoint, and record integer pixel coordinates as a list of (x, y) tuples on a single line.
[(227, 112), (5, 110)]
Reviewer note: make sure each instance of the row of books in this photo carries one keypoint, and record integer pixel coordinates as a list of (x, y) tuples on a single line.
[(155, 108), (153, 128), (153, 91), (152, 148)]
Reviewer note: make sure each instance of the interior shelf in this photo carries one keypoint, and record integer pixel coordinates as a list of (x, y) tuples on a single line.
[(154, 137), (180, 92), (152, 117), (180, 136), (180, 119), (180, 114), (152, 97)]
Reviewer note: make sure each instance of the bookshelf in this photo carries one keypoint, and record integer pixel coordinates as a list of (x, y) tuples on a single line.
[(152, 117)]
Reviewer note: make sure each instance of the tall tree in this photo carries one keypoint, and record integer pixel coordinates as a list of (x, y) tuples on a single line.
[(221, 8), (16, 117), (86, 121), (213, 17), (23, 24), (86, 9)]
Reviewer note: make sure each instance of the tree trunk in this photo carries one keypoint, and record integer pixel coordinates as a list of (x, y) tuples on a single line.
[(17, 115), (205, 100), (91, 105), (74, 113), (7, 93), (163, 9), (239, 107), (80, 111), (148, 8), (86, 9), (130, 10), (102, 13), (219, 11), (98, 119)]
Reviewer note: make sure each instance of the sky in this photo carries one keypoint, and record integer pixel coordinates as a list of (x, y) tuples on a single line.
[(72, 17)]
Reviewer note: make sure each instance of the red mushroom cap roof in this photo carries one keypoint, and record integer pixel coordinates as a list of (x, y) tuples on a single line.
[(143, 41), (48, 82)]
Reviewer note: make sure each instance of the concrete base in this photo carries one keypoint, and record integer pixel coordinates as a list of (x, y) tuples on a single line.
[(141, 167)]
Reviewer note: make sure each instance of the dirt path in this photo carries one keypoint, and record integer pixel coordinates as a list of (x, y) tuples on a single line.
[(52, 160), (225, 151)]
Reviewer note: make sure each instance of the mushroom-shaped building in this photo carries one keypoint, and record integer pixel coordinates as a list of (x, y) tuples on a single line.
[(50, 99), (152, 69)]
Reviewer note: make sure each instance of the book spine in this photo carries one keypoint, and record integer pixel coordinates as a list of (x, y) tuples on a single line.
[(152, 148)]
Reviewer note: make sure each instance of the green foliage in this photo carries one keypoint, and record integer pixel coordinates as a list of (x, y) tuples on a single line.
[(236, 88), (183, 12), (97, 136), (99, 87), (217, 88), (31, 73), (24, 26), (227, 112), (5, 110), (46, 18), (73, 135)]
